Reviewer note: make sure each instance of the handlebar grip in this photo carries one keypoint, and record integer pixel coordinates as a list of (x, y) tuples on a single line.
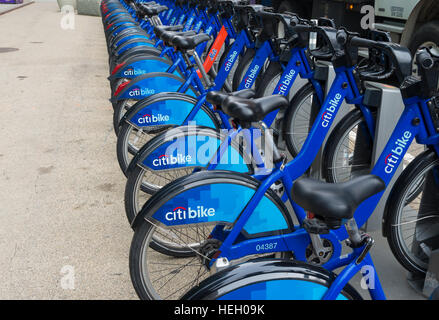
[(361, 42), (299, 28), (342, 37), (424, 59)]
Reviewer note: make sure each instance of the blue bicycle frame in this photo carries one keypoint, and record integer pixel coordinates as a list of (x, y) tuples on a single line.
[(404, 133), (178, 61)]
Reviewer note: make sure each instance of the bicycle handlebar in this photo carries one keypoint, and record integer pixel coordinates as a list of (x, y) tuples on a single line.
[(425, 60), (400, 57)]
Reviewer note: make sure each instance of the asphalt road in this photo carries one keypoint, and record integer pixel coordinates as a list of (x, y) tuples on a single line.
[(63, 231)]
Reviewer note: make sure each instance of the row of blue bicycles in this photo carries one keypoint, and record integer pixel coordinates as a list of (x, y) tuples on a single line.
[(221, 108)]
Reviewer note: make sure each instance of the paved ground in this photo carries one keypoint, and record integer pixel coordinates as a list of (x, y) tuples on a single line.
[(6, 7), (61, 205), (61, 199)]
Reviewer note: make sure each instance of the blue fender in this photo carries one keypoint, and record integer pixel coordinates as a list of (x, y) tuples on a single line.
[(169, 109), (215, 197), (113, 15), (193, 147), (119, 25), (152, 83), (269, 279), (130, 37), (133, 43), (139, 65)]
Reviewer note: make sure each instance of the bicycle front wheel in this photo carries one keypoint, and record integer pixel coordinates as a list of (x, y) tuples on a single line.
[(297, 119), (348, 151), (412, 222), (165, 262), (269, 280)]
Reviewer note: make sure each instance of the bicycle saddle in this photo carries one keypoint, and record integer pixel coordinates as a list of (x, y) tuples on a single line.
[(151, 11), (159, 30), (168, 36), (335, 200), (216, 98), (252, 110), (189, 42)]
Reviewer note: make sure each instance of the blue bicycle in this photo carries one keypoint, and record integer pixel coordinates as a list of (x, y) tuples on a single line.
[(180, 109), (210, 217), (157, 74), (203, 17), (331, 206), (147, 175)]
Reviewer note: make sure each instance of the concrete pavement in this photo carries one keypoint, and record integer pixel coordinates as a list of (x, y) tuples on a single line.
[(61, 199), (5, 8), (63, 231)]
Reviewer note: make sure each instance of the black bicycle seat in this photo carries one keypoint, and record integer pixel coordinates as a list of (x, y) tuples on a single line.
[(217, 97), (335, 200), (189, 42), (159, 30), (151, 11), (252, 110), (168, 36)]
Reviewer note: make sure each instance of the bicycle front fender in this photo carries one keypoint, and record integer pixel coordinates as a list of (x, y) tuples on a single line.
[(139, 65), (272, 279), (216, 197), (152, 83), (133, 43), (168, 109), (193, 147), (128, 37)]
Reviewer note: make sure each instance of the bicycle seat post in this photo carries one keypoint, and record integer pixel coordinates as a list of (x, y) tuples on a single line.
[(353, 232), (201, 67), (268, 141)]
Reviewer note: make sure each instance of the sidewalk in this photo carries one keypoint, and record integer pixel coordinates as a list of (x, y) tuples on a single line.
[(5, 8), (61, 206)]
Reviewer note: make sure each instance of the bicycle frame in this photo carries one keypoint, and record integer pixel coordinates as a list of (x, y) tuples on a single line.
[(297, 65), (284, 85), (191, 76), (391, 157)]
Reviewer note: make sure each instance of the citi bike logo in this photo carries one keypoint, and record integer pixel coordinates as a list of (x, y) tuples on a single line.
[(198, 26), (393, 158), (231, 60), (148, 118), (165, 160), (213, 54), (208, 30), (133, 72), (329, 113), (283, 86), (250, 77), (140, 92), (181, 213)]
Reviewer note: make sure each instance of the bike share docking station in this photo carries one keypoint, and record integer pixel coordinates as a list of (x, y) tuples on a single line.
[(389, 106)]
